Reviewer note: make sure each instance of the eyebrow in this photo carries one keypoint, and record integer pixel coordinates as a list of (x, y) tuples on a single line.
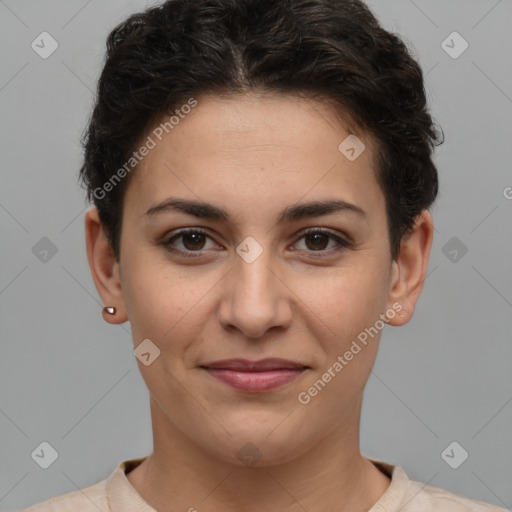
[(296, 212)]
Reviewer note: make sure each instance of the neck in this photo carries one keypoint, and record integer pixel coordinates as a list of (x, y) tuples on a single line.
[(332, 475)]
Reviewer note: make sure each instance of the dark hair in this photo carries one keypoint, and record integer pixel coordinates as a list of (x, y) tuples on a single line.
[(335, 50)]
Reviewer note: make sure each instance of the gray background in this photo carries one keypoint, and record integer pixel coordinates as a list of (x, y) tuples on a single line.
[(69, 378)]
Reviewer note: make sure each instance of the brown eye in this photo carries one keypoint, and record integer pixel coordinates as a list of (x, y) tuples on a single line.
[(192, 242), (317, 240)]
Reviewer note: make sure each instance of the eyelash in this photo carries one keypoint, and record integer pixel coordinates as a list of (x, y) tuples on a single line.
[(342, 243)]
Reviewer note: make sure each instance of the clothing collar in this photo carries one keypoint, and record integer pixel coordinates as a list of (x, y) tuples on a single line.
[(123, 497)]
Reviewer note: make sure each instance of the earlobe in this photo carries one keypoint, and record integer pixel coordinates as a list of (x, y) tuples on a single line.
[(104, 268), (409, 270)]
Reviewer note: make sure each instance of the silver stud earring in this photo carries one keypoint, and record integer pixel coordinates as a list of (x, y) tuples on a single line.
[(110, 310)]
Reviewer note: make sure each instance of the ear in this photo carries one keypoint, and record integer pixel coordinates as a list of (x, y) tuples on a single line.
[(104, 268), (409, 270)]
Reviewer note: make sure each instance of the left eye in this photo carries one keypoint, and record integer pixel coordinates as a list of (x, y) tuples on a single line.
[(193, 241), (320, 239)]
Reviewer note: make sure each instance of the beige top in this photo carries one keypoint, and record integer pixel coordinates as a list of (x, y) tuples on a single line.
[(116, 494)]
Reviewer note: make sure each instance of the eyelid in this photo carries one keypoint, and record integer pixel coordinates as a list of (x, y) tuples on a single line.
[(342, 238)]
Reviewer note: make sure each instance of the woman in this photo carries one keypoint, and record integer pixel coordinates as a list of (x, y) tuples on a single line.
[(262, 177)]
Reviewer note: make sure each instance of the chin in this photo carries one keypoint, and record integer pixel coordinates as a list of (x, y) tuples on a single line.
[(259, 447)]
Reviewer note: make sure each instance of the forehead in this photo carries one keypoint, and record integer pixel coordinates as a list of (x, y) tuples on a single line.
[(241, 148)]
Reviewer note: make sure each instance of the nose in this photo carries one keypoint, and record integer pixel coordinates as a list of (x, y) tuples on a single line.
[(255, 297)]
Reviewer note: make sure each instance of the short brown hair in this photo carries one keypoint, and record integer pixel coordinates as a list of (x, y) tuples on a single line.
[(333, 49)]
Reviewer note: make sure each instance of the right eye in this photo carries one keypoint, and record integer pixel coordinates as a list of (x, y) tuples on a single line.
[(192, 241)]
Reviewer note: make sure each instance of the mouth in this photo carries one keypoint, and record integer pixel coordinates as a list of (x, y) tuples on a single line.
[(255, 376)]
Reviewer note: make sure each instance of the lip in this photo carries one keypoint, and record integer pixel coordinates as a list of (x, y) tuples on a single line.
[(245, 365), (255, 376)]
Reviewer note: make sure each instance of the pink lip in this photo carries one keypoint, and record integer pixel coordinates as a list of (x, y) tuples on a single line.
[(255, 376)]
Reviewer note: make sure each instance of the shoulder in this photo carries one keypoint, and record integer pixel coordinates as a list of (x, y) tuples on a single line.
[(406, 495), (425, 497), (89, 499)]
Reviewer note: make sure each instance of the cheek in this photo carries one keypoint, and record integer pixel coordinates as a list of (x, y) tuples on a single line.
[(152, 300), (344, 303), (164, 304), (344, 327)]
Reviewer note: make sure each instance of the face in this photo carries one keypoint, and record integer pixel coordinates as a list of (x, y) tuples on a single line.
[(255, 273)]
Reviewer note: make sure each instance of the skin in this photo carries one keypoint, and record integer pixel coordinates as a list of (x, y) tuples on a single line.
[(254, 155)]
